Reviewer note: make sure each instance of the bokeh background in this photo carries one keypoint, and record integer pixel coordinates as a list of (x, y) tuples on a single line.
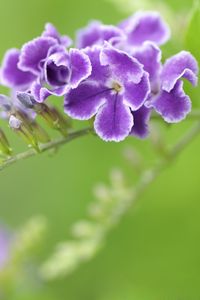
[(155, 251)]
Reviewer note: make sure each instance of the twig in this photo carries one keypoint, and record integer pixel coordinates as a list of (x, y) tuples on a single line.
[(150, 175), (195, 114), (45, 147), (70, 255)]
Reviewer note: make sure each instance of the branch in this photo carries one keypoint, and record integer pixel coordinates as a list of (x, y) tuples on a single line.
[(150, 175), (45, 147), (111, 205), (194, 115)]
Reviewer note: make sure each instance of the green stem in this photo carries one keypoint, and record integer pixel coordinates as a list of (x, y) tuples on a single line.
[(60, 264), (44, 147), (150, 175), (195, 114)]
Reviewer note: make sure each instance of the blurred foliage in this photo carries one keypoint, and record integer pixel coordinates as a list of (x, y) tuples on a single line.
[(154, 253), (193, 31), (191, 42)]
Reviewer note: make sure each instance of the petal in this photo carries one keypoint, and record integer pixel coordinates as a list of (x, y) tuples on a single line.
[(51, 31), (83, 102), (173, 106), (96, 33), (145, 26), (34, 52), (57, 69), (41, 93), (123, 66), (180, 65), (149, 55), (11, 75), (88, 36), (114, 119), (38, 92), (99, 73), (136, 94), (141, 118), (81, 67)]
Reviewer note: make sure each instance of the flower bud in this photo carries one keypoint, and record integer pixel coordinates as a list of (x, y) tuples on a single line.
[(63, 122), (52, 117), (24, 131), (5, 103), (26, 99), (40, 133), (4, 144), (45, 112)]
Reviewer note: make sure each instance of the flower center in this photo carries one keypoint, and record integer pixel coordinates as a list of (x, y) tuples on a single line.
[(117, 87)]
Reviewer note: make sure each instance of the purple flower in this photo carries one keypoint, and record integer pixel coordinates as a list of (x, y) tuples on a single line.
[(4, 247), (34, 52), (61, 70), (145, 26), (114, 75), (11, 75), (170, 101), (95, 33), (20, 68), (118, 85)]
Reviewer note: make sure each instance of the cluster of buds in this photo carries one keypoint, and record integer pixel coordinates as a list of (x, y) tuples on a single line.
[(21, 115)]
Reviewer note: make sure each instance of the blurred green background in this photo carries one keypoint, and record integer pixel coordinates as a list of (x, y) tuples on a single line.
[(155, 252)]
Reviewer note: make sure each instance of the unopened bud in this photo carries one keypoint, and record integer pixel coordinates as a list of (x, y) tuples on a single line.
[(40, 133), (14, 122), (5, 103), (24, 131), (4, 144), (45, 112), (52, 117), (63, 122), (26, 99)]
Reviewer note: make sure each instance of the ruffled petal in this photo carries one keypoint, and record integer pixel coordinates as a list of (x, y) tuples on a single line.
[(81, 67), (141, 118), (41, 93), (83, 102), (99, 73), (136, 94), (180, 65), (145, 26), (96, 33), (173, 106), (51, 31), (149, 55), (57, 70), (11, 75), (34, 52), (114, 119), (124, 67)]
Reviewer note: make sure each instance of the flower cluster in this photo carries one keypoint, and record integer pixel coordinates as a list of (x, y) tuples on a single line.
[(113, 74)]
